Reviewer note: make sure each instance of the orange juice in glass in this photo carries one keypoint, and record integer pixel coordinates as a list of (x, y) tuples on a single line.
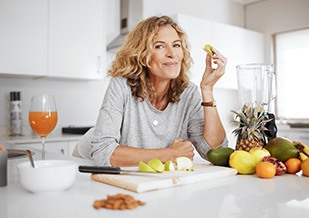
[(43, 116)]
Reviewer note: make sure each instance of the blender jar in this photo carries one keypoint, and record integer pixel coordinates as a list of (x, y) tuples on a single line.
[(255, 84)]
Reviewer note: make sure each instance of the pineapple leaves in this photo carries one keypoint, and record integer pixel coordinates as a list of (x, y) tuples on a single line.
[(251, 122)]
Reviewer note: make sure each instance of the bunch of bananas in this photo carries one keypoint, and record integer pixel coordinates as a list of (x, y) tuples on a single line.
[(303, 150)]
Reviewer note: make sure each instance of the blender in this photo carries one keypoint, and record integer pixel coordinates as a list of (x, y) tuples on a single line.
[(255, 86)]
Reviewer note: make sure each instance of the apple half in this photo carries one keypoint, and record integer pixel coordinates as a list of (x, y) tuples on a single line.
[(184, 163)]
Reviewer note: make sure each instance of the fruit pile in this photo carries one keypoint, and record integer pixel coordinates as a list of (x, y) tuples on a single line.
[(157, 166), (277, 157)]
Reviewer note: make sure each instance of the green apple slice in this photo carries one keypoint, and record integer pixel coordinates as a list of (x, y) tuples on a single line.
[(156, 164), (184, 163), (143, 167), (208, 49), (169, 165)]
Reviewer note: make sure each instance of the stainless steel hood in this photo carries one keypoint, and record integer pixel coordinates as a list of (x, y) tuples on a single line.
[(131, 13)]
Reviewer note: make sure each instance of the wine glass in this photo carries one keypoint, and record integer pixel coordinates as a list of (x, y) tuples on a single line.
[(43, 116)]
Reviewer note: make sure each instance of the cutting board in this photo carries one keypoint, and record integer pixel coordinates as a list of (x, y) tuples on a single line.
[(143, 182)]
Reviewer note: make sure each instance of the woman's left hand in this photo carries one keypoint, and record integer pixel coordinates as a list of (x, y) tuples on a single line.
[(212, 75)]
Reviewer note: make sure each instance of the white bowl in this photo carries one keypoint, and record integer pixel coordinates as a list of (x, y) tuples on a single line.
[(48, 175)]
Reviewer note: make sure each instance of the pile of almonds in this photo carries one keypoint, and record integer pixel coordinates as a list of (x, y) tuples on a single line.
[(118, 202)]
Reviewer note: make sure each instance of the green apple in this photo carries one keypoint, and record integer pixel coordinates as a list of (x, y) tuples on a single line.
[(208, 49), (259, 154), (184, 163), (156, 164), (143, 167), (169, 165)]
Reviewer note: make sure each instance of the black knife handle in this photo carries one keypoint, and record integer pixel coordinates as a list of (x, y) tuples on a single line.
[(99, 170)]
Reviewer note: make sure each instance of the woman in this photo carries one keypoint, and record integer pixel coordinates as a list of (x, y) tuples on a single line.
[(150, 109)]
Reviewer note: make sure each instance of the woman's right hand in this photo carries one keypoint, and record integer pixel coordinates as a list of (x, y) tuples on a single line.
[(213, 74), (182, 148)]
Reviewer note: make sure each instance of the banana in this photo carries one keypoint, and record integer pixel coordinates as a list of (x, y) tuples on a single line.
[(302, 156), (303, 148)]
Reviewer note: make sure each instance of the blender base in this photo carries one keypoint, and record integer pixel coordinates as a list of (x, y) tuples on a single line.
[(272, 129)]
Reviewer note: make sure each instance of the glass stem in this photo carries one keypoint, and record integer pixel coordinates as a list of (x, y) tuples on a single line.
[(43, 148)]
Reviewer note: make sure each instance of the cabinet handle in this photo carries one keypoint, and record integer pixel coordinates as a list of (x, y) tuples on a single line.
[(62, 151)]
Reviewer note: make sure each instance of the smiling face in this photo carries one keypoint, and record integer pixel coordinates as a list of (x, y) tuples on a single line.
[(165, 63)]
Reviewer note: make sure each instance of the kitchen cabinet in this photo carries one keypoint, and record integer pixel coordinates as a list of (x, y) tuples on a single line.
[(76, 39), (71, 147), (56, 147), (238, 45), (58, 39), (23, 37), (59, 147)]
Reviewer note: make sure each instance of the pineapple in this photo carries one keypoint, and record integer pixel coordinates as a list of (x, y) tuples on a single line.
[(251, 125)]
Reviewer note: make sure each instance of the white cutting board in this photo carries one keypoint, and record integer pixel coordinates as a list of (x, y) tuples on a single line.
[(142, 182)]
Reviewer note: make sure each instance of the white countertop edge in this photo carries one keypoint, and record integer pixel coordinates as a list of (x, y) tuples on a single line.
[(33, 138)]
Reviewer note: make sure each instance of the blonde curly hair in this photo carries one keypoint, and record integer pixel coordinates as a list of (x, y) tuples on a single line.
[(132, 60)]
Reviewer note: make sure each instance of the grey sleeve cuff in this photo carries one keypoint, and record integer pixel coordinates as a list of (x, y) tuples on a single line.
[(101, 154), (204, 147)]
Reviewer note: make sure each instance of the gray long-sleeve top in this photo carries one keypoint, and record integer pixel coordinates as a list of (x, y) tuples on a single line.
[(124, 120)]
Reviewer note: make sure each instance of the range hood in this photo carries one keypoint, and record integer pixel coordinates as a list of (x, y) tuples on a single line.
[(131, 13)]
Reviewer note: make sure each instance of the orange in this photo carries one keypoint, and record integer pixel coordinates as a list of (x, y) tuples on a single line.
[(2, 148), (305, 167), (293, 165), (265, 170)]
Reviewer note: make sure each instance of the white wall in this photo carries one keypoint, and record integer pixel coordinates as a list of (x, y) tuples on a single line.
[(274, 16), (224, 11), (78, 102)]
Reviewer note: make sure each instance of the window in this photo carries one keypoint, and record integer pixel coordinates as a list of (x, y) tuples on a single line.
[(292, 72)]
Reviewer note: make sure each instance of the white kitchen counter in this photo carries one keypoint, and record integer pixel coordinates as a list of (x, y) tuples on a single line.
[(33, 138), (236, 196), (286, 127)]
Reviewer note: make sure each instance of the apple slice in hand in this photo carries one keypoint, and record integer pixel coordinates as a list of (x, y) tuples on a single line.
[(208, 49)]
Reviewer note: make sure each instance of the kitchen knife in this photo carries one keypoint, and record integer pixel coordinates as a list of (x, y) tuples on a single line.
[(105, 170)]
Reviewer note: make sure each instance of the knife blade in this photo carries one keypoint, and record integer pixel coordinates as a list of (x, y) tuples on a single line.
[(105, 170)]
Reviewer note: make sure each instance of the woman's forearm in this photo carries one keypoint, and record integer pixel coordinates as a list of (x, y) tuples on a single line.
[(214, 132), (129, 156)]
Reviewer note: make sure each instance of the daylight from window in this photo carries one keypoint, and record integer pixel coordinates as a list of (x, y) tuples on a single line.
[(292, 68)]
